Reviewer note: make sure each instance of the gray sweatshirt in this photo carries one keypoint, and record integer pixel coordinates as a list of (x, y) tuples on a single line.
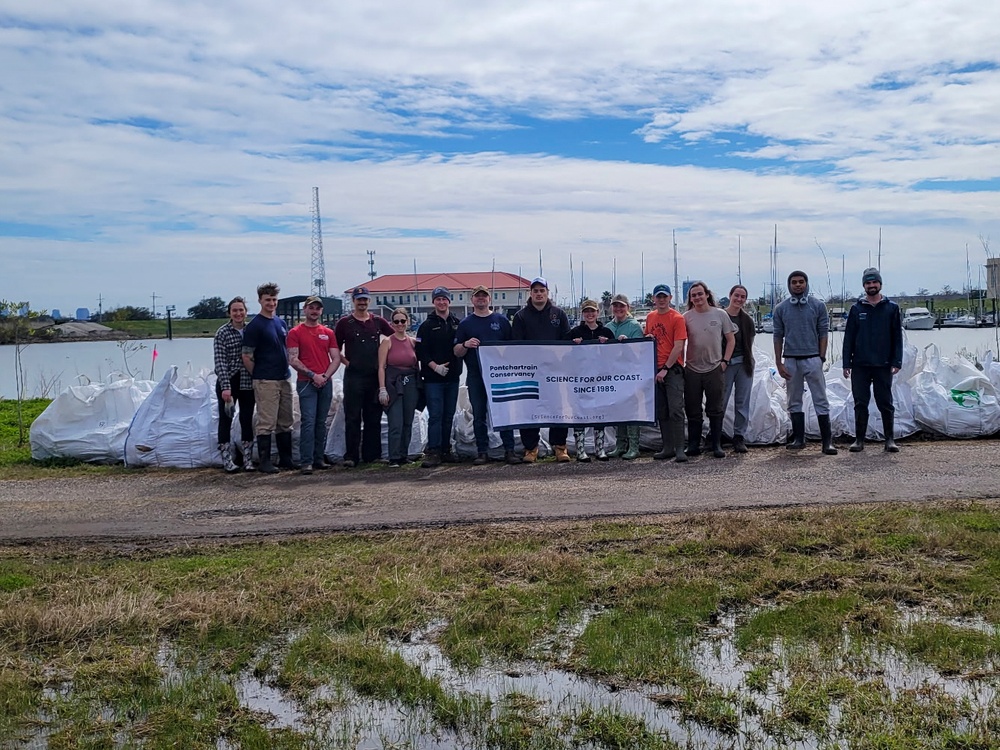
[(800, 323)]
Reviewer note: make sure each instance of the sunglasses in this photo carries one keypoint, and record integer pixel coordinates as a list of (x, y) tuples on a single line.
[(399, 321)]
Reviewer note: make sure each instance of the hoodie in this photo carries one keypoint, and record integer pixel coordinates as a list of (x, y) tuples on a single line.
[(800, 322)]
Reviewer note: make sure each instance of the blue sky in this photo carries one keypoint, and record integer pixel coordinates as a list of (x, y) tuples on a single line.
[(148, 147)]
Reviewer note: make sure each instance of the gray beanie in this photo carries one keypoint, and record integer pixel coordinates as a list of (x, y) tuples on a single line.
[(871, 274)]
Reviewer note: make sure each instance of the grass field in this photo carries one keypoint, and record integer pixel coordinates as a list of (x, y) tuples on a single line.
[(871, 627), (158, 328)]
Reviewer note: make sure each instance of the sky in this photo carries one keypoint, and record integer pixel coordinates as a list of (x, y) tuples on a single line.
[(170, 149)]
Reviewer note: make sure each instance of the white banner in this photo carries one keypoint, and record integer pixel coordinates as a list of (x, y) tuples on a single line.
[(535, 384)]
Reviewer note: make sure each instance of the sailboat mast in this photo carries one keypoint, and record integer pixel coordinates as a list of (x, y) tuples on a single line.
[(673, 236)]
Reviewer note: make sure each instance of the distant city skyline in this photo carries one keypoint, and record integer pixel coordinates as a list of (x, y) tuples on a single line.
[(173, 148)]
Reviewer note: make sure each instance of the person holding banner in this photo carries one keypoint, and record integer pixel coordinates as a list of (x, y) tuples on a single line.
[(666, 326), (590, 330), (440, 369), (540, 320), (623, 327), (482, 324), (708, 330)]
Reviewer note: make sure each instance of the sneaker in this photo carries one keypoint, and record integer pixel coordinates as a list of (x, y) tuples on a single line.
[(349, 463), (512, 458), (321, 466), (530, 455), (394, 464), (481, 460)]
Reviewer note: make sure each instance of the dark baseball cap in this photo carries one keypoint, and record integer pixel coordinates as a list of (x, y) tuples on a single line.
[(662, 289), (361, 292)]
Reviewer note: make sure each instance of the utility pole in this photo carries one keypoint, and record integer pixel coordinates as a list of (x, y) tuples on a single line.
[(317, 267), (154, 305), (371, 265), (677, 290), (100, 308)]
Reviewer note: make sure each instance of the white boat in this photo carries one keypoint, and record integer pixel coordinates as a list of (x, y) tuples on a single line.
[(960, 321), (918, 319), (838, 319)]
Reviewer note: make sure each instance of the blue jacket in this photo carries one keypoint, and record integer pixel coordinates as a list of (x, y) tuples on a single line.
[(874, 335)]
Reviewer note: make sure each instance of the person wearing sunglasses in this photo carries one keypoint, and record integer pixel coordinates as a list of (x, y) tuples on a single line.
[(397, 386)]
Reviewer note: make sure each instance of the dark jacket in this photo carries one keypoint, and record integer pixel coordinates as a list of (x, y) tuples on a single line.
[(436, 343), (748, 332), (548, 324), (583, 332), (874, 335)]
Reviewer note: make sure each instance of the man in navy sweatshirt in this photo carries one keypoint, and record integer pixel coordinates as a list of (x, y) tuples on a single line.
[(873, 353), (801, 329)]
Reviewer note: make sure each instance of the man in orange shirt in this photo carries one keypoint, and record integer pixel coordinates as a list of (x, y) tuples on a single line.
[(666, 326)]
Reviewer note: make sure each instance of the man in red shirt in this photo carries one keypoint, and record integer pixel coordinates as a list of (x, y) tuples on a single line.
[(313, 353), (666, 326)]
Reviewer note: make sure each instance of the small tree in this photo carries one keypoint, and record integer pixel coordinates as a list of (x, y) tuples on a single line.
[(16, 327), (209, 308)]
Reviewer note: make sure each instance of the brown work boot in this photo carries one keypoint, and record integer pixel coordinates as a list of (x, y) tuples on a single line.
[(562, 455), (530, 455)]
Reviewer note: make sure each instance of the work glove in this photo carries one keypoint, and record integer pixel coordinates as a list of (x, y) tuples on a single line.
[(441, 370)]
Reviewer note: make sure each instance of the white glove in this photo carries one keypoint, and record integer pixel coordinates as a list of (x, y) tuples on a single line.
[(383, 396), (441, 370)]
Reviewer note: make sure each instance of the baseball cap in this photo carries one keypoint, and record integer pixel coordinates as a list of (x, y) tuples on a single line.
[(361, 292), (620, 298), (479, 289), (661, 289), (441, 291), (313, 300), (540, 280), (589, 304)]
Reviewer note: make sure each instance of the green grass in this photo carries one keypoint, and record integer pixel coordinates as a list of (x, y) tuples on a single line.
[(184, 327), (145, 647)]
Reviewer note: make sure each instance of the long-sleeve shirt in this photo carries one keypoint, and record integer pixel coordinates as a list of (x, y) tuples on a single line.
[(436, 343), (874, 335), (548, 324), (228, 350)]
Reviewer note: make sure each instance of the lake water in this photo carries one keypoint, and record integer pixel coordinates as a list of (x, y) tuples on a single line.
[(50, 368)]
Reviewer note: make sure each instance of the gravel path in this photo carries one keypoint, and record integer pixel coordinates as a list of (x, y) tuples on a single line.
[(173, 506)]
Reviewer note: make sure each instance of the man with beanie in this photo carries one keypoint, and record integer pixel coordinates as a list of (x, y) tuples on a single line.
[(873, 353), (540, 320), (801, 329)]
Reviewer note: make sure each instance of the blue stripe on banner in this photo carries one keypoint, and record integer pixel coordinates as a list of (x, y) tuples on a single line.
[(508, 391), (522, 397), (516, 384)]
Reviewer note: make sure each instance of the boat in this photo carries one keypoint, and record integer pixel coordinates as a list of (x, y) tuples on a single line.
[(918, 319), (960, 321), (767, 324), (838, 319)]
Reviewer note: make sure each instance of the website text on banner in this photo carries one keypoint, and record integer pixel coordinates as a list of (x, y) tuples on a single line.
[(556, 383)]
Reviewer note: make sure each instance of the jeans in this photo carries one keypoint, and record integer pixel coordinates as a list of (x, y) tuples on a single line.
[(314, 405), (480, 417), (442, 399), (246, 401), (669, 404), (862, 381), (709, 385), (361, 406), (737, 378), (806, 372), (399, 414)]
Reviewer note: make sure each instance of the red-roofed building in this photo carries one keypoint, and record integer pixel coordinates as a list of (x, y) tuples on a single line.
[(413, 291)]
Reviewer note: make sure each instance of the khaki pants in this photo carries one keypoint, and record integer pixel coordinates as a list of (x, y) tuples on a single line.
[(274, 406)]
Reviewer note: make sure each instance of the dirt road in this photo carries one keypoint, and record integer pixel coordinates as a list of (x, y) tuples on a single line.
[(175, 505)]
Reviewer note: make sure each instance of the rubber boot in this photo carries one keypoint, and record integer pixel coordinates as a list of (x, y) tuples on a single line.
[(581, 446), (599, 452), (739, 444), (668, 450), (284, 441), (694, 438), (798, 431), (621, 441), (633, 443), (860, 430), (264, 454), (248, 456), (431, 459), (226, 451), (678, 443), (826, 433), (715, 431), (889, 423)]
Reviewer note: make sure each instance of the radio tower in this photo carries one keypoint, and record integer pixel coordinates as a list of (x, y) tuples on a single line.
[(318, 267)]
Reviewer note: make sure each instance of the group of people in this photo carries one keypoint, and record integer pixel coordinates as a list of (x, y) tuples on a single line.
[(704, 357)]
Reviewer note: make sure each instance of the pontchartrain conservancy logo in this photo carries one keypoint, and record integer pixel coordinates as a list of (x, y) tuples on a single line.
[(519, 390)]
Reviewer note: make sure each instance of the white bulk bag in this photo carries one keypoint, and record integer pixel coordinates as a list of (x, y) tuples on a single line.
[(89, 422), (177, 425), (951, 397)]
